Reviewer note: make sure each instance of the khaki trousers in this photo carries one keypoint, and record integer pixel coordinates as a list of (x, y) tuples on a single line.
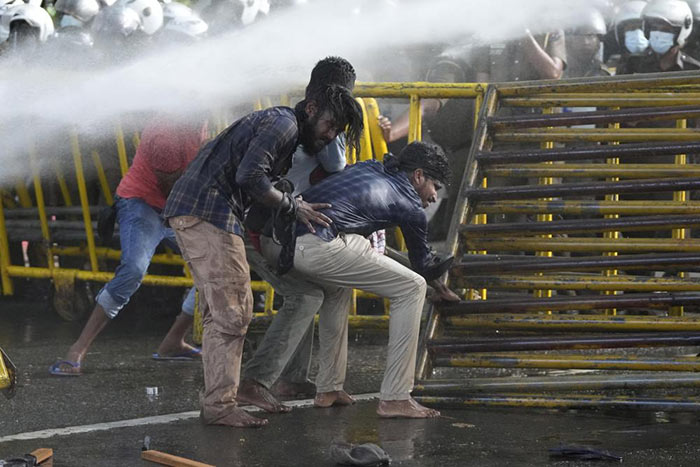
[(218, 264), (348, 262)]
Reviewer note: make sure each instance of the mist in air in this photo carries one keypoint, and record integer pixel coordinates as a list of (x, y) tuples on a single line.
[(40, 104)]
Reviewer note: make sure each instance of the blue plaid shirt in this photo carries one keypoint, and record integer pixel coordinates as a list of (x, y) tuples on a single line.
[(235, 168), (367, 197)]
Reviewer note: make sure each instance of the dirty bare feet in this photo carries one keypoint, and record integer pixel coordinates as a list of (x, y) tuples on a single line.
[(241, 419), (328, 399), (405, 409), (289, 389), (254, 393)]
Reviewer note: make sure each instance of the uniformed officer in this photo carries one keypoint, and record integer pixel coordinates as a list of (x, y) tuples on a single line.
[(529, 58), (584, 47), (667, 25), (450, 123)]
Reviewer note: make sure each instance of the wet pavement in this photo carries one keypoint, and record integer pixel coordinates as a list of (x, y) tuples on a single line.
[(119, 371)]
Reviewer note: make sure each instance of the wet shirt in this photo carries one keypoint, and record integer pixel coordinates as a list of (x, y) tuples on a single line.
[(236, 168), (167, 147), (367, 197)]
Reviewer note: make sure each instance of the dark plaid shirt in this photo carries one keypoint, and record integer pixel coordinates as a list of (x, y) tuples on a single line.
[(367, 197), (235, 168)]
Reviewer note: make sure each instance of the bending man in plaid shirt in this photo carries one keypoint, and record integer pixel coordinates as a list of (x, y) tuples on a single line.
[(206, 209), (364, 198)]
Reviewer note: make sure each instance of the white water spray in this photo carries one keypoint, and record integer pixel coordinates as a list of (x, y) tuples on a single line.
[(39, 104)]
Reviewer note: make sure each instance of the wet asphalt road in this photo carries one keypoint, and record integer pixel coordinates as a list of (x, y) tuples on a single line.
[(118, 371)]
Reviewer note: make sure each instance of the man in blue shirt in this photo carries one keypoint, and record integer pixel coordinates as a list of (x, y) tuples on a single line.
[(206, 208), (364, 198)]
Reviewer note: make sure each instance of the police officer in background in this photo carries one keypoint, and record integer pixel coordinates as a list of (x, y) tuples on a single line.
[(584, 47), (450, 123), (667, 25), (629, 34), (531, 57)]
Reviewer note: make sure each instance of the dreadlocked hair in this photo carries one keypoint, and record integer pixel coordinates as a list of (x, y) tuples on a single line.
[(344, 110), (331, 70), (429, 157)]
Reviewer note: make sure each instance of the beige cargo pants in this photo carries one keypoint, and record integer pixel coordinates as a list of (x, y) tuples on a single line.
[(218, 264)]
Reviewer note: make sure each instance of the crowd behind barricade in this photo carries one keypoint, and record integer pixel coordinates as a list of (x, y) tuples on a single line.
[(309, 230)]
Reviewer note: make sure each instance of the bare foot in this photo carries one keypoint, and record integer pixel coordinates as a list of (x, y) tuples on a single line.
[(405, 409), (241, 419), (289, 389), (252, 392), (328, 399)]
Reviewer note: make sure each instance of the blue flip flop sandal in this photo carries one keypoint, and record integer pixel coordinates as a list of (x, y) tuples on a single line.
[(59, 368)]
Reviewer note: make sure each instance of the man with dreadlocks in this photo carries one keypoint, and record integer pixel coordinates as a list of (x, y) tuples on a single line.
[(364, 198), (282, 360), (206, 209)]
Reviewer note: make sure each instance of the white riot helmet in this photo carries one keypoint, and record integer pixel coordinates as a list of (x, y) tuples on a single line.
[(115, 22), (150, 12), (251, 9), (185, 27), (224, 15), (675, 13), (629, 11), (591, 21), (34, 16), (175, 10), (83, 10)]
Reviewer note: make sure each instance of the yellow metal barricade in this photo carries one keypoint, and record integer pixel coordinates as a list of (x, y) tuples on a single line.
[(611, 235)]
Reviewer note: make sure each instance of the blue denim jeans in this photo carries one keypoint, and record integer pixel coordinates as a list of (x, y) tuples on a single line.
[(141, 230)]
